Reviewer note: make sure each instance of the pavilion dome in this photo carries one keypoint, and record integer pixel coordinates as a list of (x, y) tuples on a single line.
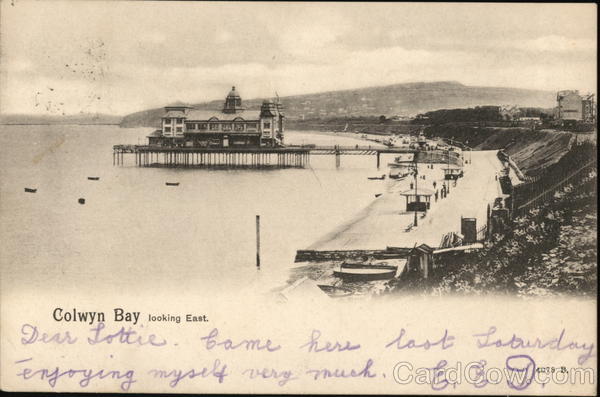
[(233, 93), (233, 102)]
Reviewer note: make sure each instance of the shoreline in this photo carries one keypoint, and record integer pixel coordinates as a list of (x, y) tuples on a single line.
[(348, 135)]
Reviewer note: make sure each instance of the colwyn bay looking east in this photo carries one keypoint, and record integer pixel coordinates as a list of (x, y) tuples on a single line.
[(347, 151)]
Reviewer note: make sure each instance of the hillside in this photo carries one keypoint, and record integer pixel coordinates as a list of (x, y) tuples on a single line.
[(397, 99)]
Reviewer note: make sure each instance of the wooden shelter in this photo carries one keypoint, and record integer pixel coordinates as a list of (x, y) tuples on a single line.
[(418, 199), (453, 172)]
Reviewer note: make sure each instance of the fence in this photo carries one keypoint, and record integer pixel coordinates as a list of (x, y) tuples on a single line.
[(482, 233), (537, 192)]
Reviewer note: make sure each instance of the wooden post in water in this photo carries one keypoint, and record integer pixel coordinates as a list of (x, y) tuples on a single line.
[(258, 241)]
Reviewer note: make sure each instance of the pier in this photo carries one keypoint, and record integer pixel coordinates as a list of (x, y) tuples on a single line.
[(256, 157), (156, 156)]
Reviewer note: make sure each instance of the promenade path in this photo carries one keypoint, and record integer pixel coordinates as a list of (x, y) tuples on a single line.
[(384, 222)]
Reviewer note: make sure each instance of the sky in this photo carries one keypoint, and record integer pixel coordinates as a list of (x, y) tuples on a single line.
[(118, 57)]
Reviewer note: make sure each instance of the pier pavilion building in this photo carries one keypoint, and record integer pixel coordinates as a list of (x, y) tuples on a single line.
[(233, 126)]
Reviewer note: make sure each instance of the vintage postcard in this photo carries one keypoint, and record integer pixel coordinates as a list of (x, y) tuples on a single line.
[(298, 197)]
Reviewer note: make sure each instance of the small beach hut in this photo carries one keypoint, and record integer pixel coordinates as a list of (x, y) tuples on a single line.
[(423, 254), (419, 262)]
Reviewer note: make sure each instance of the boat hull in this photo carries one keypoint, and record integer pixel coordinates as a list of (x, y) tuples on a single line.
[(335, 292), (360, 272), (350, 276)]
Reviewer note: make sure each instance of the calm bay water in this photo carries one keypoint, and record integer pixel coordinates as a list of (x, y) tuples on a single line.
[(136, 233)]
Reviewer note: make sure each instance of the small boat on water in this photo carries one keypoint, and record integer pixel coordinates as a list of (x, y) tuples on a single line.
[(397, 174), (81, 201), (172, 183), (30, 190), (93, 178), (365, 272), (377, 177), (378, 194), (335, 291)]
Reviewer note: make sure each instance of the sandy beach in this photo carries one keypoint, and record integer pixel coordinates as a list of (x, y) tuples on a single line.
[(384, 222)]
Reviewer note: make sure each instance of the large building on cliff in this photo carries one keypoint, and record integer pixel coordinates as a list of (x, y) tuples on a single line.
[(573, 107), (233, 126)]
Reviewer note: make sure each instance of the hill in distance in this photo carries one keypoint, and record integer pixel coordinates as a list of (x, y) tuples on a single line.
[(398, 99)]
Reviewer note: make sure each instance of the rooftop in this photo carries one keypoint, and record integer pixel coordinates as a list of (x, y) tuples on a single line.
[(421, 191), (154, 133), (174, 113), (179, 105), (203, 115)]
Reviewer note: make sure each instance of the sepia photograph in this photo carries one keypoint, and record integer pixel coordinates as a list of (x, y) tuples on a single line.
[(298, 197)]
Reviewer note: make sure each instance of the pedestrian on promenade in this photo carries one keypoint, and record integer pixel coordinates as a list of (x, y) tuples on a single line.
[(436, 196), (434, 184)]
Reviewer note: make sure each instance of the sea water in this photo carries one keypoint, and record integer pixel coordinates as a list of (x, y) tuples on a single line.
[(135, 233)]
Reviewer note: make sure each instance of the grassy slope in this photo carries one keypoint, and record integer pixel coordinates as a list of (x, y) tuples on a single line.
[(531, 150)]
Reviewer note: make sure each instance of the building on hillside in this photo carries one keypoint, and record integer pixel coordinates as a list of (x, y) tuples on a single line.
[(509, 112), (573, 107), (233, 126), (588, 106), (529, 120)]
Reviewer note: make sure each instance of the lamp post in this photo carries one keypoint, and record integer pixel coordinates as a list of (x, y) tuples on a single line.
[(449, 173), (416, 192)]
